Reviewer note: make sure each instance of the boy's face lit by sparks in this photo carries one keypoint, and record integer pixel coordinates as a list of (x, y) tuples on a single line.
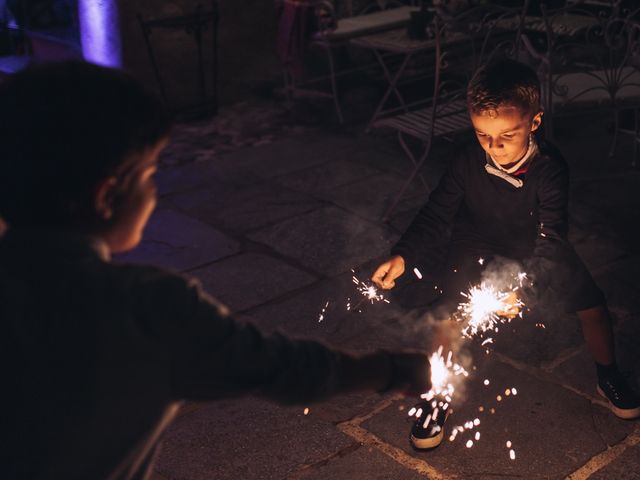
[(504, 133)]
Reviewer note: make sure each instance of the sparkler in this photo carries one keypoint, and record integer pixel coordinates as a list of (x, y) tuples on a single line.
[(486, 307), (368, 291)]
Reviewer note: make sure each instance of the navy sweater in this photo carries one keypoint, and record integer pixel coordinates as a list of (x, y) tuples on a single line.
[(474, 207)]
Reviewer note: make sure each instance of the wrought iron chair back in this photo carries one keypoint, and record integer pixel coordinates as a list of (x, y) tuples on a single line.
[(588, 60)]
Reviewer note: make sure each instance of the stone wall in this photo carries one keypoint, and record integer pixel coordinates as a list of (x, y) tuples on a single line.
[(247, 57)]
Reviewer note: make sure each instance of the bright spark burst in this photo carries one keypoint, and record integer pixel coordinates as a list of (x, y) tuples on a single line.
[(369, 292), (442, 371), (484, 309)]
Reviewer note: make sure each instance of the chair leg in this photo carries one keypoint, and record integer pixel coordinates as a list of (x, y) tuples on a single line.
[(415, 172), (409, 154), (636, 138), (334, 88), (616, 131)]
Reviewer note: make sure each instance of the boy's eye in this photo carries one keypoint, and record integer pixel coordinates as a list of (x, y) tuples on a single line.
[(508, 135)]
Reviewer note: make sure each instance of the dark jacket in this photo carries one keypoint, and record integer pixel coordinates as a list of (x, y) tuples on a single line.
[(471, 206), (97, 356)]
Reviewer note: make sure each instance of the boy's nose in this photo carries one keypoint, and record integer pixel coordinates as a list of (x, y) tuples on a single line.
[(493, 144)]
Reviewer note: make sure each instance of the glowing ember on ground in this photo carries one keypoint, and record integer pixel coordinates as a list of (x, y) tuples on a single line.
[(321, 316), (306, 411)]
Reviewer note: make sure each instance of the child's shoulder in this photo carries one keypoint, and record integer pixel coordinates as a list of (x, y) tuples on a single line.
[(550, 158)]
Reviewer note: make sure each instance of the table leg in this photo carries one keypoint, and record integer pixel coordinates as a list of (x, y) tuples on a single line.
[(393, 88)]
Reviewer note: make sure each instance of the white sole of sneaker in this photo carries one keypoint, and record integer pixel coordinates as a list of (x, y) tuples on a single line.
[(625, 414), (427, 443)]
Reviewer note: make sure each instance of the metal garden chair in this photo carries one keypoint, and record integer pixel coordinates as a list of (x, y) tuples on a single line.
[(462, 44), (593, 69)]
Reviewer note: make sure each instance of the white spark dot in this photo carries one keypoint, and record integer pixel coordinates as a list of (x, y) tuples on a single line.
[(412, 411), (306, 411), (507, 392), (486, 381), (512, 455), (469, 443), (476, 422), (514, 391), (499, 398), (508, 443), (477, 437), (417, 273)]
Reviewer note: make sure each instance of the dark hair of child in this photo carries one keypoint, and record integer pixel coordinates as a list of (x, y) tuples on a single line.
[(64, 127), (503, 83)]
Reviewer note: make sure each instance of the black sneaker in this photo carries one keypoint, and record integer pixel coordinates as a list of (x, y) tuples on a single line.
[(623, 401), (428, 430)]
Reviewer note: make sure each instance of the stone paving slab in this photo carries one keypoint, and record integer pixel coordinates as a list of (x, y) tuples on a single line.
[(299, 314), (246, 280), (523, 341), (246, 439), (372, 196), (579, 372), (625, 467), (328, 240), (377, 466), (326, 176), (288, 155), (178, 178), (242, 209), (551, 429), (176, 241)]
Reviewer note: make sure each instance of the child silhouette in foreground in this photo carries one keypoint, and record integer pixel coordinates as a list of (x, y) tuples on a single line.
[(96, 357)]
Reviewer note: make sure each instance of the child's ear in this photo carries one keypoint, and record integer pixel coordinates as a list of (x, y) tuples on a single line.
[(103, 197), (537, 121)]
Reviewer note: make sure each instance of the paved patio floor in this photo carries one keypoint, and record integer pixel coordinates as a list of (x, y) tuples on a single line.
[(273, 228)]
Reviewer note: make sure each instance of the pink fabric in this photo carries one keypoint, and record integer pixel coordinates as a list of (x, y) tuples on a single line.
[(294, 32)]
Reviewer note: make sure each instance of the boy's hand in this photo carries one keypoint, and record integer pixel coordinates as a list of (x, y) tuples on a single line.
[(512, 306), (385, 275)]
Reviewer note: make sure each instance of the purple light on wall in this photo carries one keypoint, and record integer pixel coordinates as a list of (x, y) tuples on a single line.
[(100, 32)]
